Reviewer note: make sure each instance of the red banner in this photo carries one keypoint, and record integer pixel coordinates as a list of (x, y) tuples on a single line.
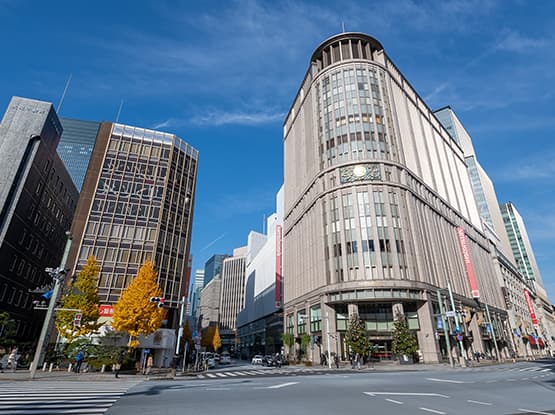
[(106, 310), (278, 265), (468, 262), (530, 305)]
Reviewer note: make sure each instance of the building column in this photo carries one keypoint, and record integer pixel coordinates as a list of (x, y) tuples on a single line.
[(427, 342)]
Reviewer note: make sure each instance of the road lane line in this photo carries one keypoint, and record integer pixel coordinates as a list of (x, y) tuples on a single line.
[(479, 403), (283, 385), (545, 370), (218, 389), (512, 380), (445, 380), (406, 394), (491, 381), (433, 411), (394, 401), (530, 411)]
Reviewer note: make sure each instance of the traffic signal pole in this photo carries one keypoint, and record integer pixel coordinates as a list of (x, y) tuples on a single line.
[(58, 275)]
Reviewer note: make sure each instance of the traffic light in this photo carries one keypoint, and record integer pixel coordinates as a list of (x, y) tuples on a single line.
[(77, 319), (158, 300)]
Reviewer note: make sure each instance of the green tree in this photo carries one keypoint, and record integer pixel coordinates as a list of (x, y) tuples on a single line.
[(356, 336), (134, 314), (7, 329), (404, 340), (288, 340), (305, 341), (83, 295)]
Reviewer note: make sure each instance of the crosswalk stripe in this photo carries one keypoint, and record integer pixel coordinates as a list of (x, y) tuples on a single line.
[(210, 375), (47, 397), (220, 375), (230, 374)]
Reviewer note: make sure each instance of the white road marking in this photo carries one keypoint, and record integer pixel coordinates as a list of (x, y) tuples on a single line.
[(530, 411), (406, 394), (479, 403), (210, 375), (283, 385), (218, 389), (230, 374), (394, 401), (545, 370), (512, 380), (433, 411), (491, 381), (446, 380), (220, 375)]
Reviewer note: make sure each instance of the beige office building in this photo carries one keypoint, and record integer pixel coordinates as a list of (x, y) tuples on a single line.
[(375, 190), (136, 205)]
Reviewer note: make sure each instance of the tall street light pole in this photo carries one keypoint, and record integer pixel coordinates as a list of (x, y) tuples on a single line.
[(58, 275)]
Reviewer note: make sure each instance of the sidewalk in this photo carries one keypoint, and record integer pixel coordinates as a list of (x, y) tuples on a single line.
[(159, 374)]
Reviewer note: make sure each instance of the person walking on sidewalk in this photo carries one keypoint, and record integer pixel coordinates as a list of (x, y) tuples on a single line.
[(119, 362), (12, 359), (79, 357)]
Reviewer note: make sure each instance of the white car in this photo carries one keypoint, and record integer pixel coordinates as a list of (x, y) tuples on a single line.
[(225, 359), (256, 360)]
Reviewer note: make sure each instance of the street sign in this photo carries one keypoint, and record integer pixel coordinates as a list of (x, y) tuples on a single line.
[(458, 330), (450, 313), (459, 337)]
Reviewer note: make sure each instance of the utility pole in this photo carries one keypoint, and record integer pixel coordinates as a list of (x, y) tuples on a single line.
[(493, 333), (58, 275), (445, 328), (180, 331), (457, 326)]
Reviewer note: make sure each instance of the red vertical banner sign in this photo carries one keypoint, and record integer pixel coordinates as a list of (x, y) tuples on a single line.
[(531, 308), (463, 241), (278, 265)]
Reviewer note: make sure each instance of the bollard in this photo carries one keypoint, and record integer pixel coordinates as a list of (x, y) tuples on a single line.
[(69, 367), (44, 367), (103, 369), (51, 366)]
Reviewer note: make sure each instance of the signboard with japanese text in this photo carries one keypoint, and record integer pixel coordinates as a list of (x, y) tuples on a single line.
[(106, 310), (463, 242)]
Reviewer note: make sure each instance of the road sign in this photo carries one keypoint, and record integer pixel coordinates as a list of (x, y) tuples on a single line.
[(77, 319), (450, 313), (458, 330), (459, 337)]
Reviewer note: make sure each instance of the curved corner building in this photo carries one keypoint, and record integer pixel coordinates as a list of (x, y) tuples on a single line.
[(375, 189)]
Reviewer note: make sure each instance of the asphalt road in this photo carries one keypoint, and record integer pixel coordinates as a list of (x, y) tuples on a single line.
[(522, 388)]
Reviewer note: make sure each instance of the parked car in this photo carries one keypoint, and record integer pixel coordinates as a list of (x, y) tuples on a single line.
[(225, 359), (256, 360), (209, 359)]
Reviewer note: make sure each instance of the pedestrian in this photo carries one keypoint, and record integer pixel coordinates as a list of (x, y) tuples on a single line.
[(149, 363), (119, 362), (336, 359), (12, 359), (79, 357)]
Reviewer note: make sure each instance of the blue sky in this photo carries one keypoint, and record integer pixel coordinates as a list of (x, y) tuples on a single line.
[(222, 76)]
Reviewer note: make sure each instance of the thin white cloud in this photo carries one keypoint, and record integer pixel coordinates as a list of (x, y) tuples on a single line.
[(164, 124), (217, 118), (515, 42), (536, 167)]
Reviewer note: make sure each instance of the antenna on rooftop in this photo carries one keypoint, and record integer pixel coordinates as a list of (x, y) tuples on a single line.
[(343, 26), (64, 94), (119, 110)]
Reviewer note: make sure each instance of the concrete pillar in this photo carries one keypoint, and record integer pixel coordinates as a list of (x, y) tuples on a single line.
[(477, 341), (427, 342)]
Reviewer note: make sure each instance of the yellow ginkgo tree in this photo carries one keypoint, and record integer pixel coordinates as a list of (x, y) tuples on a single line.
[(82, 296), (134, 314)]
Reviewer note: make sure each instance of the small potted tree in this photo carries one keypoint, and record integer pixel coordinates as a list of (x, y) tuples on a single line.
[(404, 343), (357, 340)]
